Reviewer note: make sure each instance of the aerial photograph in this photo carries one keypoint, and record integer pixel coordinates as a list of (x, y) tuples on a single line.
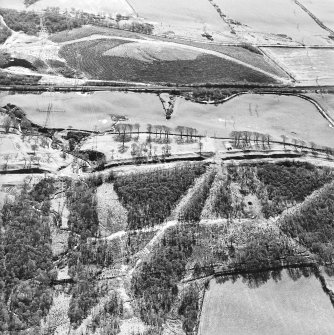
[(166, 167)]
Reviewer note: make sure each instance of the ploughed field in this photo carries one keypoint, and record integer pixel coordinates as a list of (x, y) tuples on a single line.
[(280, 306), (112, 60), (276, 115)]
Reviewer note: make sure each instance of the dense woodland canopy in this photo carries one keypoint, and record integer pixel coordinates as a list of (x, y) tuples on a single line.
[(155, 284), (150, 197), (313, 224), (27, 272), (26, 267)]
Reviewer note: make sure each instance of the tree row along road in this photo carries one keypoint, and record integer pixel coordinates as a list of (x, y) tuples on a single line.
[(180, 46)]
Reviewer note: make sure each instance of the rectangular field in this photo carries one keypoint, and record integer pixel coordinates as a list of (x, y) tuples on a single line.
[(281, 307), (275, 17), (307, 66)]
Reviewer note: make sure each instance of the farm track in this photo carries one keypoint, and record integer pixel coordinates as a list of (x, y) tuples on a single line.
[(183, 46), (316, 19)]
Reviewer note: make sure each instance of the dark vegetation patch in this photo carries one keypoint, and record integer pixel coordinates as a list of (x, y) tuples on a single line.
[(193, 210), (86, 257), (88, 30), (204, 69), (4, 33), (277, 186), (150, 197), (155, 284), (17, 79), (288, 183), (19, 62), (29, 22), (189, 309), (313, 224), (26, 267)]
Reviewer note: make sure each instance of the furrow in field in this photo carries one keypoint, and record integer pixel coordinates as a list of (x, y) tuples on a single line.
[(155, 43)]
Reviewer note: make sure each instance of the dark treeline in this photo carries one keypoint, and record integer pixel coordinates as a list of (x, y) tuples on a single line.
[(278, 186), (87, 256), (150, 197), (155, 283), (288, 183), (29, 22), (26, 267), (108, 319), (313, 224), (81, 202), (83, 223), (193, 210), (189, 309)]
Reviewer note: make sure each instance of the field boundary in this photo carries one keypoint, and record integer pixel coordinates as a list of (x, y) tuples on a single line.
[(316, 19)]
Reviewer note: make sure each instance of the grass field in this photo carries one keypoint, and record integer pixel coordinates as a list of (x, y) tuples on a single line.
[(276, 115), (278, 308), (278, 17), (188, 18), (204, 69), (308, 66)]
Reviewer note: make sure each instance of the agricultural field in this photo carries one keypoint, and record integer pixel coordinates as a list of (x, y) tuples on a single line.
[(187, 19), (184, 65), (266, 24), (306, 66), (279, 307), (277, 115)]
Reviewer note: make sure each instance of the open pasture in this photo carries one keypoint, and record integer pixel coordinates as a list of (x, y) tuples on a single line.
[(307, 66), (188, 18), (280, 307), (276, 17), (269, 113)]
